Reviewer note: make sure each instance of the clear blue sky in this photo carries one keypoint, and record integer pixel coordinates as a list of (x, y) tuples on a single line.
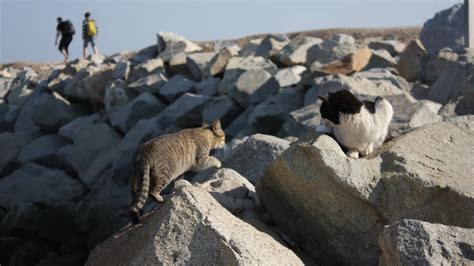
[(28, 26)]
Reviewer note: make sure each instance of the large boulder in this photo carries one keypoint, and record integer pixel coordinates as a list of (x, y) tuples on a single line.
[(412, 242), (186, 111), (381, 59), (289, 76), (271, 45), (302, 121), (207, 87), (24, 122), (71, 129), (331, 49), (218, 62), (121, 70), (335, 207), (198, 62), (193, 229), (53, 111), (39, 184), (463, 104), (294, 53), (117, 94), (409, 65), (269, 116), (229, 188), (223, 108), (393, 47), (350, 63), (88, 145), (238, 65), (98, 213), (146, 68), (434, 64), (170, 44), (144, 106), (122, 163), (175, 87), (445, 29), (254, 86), (452, 81), (251, 155), (11, 144), (151, 83), (144, 54), (42, 150), (95, 83), (19, 95)]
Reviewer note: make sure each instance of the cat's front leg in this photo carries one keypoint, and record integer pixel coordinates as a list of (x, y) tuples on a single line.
[(367, 150), (352, 153), (208, 162)]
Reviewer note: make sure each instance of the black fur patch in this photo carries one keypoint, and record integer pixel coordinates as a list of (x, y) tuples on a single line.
[(370, 106), (341, 101)]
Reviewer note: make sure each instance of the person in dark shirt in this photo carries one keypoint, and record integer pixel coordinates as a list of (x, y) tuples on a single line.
[(65, 29)]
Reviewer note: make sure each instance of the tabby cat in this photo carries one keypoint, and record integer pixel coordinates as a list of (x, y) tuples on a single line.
[(161, 160)]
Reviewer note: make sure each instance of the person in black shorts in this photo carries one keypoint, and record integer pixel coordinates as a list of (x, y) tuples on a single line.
[(66, 30)]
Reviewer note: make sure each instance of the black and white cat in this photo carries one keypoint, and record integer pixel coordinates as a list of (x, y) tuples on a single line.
[(360, 126)]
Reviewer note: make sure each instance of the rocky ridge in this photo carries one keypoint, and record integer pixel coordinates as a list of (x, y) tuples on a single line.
[(69, 133)]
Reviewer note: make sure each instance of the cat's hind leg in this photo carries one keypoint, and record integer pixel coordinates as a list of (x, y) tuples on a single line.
[(159, 182)]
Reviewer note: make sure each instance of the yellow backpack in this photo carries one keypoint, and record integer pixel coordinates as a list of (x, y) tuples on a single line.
[(91, 28)]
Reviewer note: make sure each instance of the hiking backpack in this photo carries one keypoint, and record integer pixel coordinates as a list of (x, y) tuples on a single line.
[(91, 28), (69, 28)]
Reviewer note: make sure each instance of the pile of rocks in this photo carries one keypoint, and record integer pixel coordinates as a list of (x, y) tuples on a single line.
[(69, 135)]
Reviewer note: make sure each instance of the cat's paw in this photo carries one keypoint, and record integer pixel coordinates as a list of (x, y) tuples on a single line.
[(218, 164), (368, 150), (353, 154)]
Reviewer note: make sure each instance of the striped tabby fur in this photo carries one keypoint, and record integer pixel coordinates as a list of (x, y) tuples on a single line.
[(161, 160)]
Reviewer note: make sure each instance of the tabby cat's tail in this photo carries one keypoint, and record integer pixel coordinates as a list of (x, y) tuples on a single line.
[(141, 195)]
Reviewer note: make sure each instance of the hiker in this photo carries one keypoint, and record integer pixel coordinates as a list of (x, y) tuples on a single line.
[(66, 30), (89, 33)]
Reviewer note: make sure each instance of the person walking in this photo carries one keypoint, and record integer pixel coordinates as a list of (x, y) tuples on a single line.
[(65, 29), (89, 33)]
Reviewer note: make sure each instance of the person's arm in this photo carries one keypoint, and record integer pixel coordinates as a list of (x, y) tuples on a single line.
[(58, 33)]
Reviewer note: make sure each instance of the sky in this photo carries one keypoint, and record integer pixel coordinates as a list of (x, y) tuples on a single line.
[(28, 27)]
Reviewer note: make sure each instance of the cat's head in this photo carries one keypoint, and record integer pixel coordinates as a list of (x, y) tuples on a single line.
[(217, 136), (342, 101)]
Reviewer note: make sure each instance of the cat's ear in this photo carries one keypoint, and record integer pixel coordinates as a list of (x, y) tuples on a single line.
[(217, 129), (323, 98)]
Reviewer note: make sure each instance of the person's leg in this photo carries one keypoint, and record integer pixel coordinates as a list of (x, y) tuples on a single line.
[(66, 48), (84, 51), (94, 46), (62, 46)]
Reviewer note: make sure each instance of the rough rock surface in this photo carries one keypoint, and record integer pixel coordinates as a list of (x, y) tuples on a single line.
[(445, 29), (251, 155), (205, 234), (269, 116), (36, 183), (175, 87), (409, 64), (348, 202), (412, 242), (144, 106)]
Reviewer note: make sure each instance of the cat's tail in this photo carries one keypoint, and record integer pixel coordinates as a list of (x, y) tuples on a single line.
[(141, 195)]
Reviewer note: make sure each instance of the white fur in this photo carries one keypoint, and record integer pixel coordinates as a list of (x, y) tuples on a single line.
[(364, 131)]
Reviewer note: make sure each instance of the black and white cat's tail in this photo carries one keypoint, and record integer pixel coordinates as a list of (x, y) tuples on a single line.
[(140, 195)]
